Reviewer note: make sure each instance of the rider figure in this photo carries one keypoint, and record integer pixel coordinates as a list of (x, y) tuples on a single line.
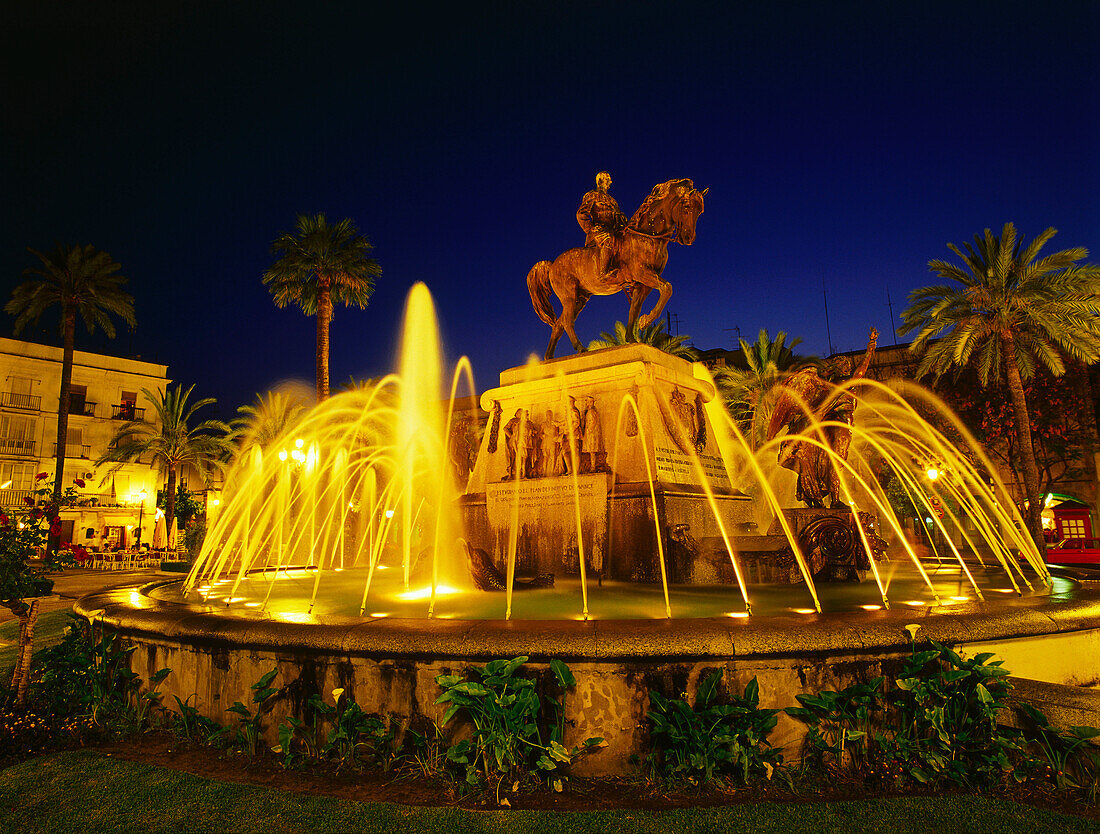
[(601, 221)]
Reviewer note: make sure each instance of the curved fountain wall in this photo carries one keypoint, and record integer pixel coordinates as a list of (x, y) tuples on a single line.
[(390, 664)]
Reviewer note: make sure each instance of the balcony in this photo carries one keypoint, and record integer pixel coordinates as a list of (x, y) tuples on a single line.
[(74, 450), (21, 447), (127, 411), (15, 497), (82, 408), (25, 402)]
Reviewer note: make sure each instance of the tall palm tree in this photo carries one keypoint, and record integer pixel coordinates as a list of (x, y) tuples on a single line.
[(749, 392), (654, 335), (1007, 312), (171, 442), (81, 280), (318, 265)]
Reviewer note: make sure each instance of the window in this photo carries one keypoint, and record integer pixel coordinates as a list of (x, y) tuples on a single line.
[(78, 395), (21, 475), (1073, 528), (17, 434), (128, 402)]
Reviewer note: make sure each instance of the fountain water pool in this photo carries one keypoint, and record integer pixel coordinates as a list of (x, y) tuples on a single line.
[(338, 555)]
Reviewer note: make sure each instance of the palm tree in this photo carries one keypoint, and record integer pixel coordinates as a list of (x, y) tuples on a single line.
[(1007, 312), (270, 417), (654, 335), (84, 281), (317, 266), (171, 442), (749, 392)]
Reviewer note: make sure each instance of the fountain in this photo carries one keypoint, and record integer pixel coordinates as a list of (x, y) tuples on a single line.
[(613, 516)]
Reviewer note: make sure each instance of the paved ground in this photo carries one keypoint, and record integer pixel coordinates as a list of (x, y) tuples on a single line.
[(74, 583)]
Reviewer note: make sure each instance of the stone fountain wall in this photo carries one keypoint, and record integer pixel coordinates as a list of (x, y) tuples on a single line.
[(390, 665), (524, 479)]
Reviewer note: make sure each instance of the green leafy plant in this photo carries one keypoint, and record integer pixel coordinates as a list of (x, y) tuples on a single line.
[(506, 712), (943, 725), (356, 733), (840, 722), (1073, 758), (698, 743), (249, 727), (192, 724)]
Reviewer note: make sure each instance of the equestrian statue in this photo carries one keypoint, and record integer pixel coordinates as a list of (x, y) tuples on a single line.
[(618, 255)]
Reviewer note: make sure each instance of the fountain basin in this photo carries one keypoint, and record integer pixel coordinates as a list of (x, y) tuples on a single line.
[(390, 663)]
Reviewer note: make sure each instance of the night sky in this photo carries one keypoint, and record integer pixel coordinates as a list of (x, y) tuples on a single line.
[(843, 144)]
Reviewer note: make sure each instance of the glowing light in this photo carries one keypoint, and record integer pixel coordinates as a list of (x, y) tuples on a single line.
[(135, 598), (5, 485), (1003, 591), (293, 617), (233, 599), (389, 513), (215, 502), (282, 455), (960, 599), (426, 592), (379, 614), (871, 607), (299, 443), (916, 603), (804, 611), (932, 473), (739, 615), (252, 605)]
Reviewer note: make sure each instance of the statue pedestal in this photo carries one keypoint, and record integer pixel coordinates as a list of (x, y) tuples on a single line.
[(523, 478)]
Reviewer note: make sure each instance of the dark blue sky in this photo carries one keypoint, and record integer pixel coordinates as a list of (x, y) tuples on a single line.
[(843, 144)]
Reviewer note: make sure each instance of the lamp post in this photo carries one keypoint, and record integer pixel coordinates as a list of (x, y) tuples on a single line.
[(141, 515)]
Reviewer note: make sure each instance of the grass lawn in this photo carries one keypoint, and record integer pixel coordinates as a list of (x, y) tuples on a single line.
[(87, 790)]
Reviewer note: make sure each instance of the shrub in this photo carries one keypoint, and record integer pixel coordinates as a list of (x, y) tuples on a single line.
[(710, 739), (507, 711)]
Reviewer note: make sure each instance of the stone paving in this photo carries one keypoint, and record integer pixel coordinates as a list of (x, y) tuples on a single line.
[(74, 583)]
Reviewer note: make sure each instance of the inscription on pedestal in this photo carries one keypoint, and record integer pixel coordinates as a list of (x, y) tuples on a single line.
[(674, 465)]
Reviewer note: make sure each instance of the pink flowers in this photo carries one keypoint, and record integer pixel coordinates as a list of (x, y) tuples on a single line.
[(41, 476), (79, 482)]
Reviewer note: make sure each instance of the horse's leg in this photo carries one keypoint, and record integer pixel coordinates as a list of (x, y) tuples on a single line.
[(574, 307), (665, 289), (638, 294), (555, 334)]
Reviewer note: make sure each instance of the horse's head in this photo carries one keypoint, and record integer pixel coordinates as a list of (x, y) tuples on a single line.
[(686, 209)]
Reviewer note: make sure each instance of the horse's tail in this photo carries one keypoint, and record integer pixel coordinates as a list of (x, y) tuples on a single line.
[(538, 284)]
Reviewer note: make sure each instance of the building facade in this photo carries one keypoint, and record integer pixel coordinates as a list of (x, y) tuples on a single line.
[(114, 509)]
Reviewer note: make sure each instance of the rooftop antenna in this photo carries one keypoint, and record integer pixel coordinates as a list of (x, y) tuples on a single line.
[(672, 318), (893, 321), (828, 332), (734, 329)]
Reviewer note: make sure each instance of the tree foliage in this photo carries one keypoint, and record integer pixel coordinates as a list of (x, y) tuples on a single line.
[(318, 265), (1007, 312), (655, 336), (171, 442)]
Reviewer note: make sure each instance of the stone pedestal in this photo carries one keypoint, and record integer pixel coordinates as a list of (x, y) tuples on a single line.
[(524, 476)]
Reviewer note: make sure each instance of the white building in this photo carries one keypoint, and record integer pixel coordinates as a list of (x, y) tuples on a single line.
[(106, 391)]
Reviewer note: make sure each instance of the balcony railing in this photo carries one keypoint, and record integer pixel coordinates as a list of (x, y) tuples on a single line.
[(9, 446), (82, 408), (127, 411), (28, 402), (14, 497), (74, 450)]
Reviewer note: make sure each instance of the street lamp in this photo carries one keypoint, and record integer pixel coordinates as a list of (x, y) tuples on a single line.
[(141, 515)]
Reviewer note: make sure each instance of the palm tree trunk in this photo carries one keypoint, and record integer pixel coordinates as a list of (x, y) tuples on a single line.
[(1023, 438), (68, 318), (22, 673), (324, 316), (170, 498)]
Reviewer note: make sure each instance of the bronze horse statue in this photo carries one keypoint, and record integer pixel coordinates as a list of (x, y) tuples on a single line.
[(641, 252)]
